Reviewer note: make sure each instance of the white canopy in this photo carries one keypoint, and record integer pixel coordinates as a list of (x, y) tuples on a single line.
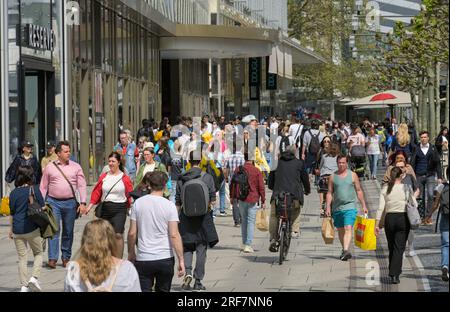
[(383, 100)]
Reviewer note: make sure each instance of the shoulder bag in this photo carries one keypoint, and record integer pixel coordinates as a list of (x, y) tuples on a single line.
[(99, 208), (77, 204), (35, 212), (411, 209)]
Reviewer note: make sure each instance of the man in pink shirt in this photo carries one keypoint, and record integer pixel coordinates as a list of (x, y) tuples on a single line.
[(60, 180)]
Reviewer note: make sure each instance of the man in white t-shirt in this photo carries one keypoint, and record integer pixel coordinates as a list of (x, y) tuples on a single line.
[(295, 131), (154, 226)]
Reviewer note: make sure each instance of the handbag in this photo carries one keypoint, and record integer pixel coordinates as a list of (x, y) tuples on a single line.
[(35, 212), (99, 208), (4, 208), (411, 209), (365, 233)]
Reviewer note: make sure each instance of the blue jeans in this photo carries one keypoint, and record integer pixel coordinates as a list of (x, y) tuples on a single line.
[(222, 197), (426, 186), (173, 191), (443, 226), (248, 217), (64, 210), (236, 212), (373, 160)]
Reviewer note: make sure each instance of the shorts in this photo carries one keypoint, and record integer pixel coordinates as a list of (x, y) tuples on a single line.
[(344, 218), (116, 214)]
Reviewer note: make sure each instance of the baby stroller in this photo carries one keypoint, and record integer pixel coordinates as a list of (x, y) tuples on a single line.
[(358, 161)]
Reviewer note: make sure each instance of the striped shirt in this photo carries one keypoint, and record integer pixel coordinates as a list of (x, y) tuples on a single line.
[(234, 161)]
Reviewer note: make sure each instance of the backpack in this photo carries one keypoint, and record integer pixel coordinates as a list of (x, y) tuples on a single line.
[(382, 136), (314, 145), (195, 197), (217, 179), (444, 200), (165, 158), (240, 188), (284, 143)]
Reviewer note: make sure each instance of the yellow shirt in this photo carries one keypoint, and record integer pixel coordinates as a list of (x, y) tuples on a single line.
[(48, 159)]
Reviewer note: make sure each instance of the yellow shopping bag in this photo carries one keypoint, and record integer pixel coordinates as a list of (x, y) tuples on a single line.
[(365, 233), (4, 208)]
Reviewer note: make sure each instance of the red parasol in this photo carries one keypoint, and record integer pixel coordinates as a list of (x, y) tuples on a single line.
[(383, 97)]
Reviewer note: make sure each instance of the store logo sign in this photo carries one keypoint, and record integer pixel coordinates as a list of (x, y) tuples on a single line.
[(39, 37), (72, 13)]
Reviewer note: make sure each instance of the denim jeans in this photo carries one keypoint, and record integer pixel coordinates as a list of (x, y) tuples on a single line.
[(173, 191), (222, 198), (236, 212), (426, 186), (248, 217), (443, 226), (64, 210), (373, 159)]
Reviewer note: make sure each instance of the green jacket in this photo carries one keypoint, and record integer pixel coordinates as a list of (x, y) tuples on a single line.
[(140, 175)]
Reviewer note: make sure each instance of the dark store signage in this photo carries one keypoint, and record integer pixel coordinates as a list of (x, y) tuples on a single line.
[(238, 71), (254, 77), (271, 79), (39, 37)]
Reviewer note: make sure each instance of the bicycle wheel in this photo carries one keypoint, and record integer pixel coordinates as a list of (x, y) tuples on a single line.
[(287, 240), (282, 244)]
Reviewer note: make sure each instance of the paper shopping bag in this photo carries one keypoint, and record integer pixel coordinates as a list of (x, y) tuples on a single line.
[(328, 231), (261, 220), (365, 233), (4, 208)]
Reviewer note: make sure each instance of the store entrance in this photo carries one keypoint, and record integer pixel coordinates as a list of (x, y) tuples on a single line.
[(38, 107)]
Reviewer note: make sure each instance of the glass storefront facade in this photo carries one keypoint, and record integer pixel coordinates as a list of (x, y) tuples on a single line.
[(115, 79)]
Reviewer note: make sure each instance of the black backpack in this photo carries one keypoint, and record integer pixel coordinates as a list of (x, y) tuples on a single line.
[(284, 143), (314, 145), (165, 158), (240, 188), (195, 197)]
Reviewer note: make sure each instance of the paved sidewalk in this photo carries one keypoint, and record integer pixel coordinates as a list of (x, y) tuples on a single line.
[(311, 265)]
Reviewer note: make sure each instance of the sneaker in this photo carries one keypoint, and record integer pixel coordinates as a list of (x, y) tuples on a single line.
[(411, 253), (273, 246), (223, 214), (346, 256), (445, 274), (33, 284), (294, 235), (198, 286), (242, 247), (186, 282), (25, 289), (237, 225), (248, 249)]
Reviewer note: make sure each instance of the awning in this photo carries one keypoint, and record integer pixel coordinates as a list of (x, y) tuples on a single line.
[(217, 42), (301, 55)]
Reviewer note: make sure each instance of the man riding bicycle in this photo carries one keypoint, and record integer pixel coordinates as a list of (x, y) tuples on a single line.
[(290, 177)]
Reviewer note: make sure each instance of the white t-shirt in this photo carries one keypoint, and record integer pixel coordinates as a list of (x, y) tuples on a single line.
[(374, 145), (277, 145), (152, 215), (294, 131), (117, 194), (149, 168)]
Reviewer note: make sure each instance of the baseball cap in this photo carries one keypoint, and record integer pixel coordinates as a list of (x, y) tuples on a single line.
[(27, 144), (51, 144), (149, 145)]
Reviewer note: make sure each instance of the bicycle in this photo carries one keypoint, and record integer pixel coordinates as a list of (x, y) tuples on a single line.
[(283, 205)]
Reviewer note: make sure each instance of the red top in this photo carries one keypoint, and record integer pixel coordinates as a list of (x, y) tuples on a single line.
[(97, 192), (256, 182)]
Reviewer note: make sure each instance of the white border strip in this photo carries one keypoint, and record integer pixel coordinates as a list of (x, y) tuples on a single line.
[(4, 101)]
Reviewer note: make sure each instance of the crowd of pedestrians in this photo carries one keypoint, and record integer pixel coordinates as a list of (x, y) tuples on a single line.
[(173, 181)]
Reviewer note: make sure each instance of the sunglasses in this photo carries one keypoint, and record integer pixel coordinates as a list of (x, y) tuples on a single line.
[(326, 141)]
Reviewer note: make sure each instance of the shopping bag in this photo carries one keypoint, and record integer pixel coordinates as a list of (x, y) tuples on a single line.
[(261, 220), (365, 233), (4, 208), (328, 231)]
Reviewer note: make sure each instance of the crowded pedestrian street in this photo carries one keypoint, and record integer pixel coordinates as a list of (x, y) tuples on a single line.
[(224, 146)]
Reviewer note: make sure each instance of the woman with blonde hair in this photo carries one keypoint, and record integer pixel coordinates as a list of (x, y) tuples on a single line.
[(97, 268), (402, 141)]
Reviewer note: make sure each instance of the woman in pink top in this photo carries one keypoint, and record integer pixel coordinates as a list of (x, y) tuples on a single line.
[(113, 189)]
